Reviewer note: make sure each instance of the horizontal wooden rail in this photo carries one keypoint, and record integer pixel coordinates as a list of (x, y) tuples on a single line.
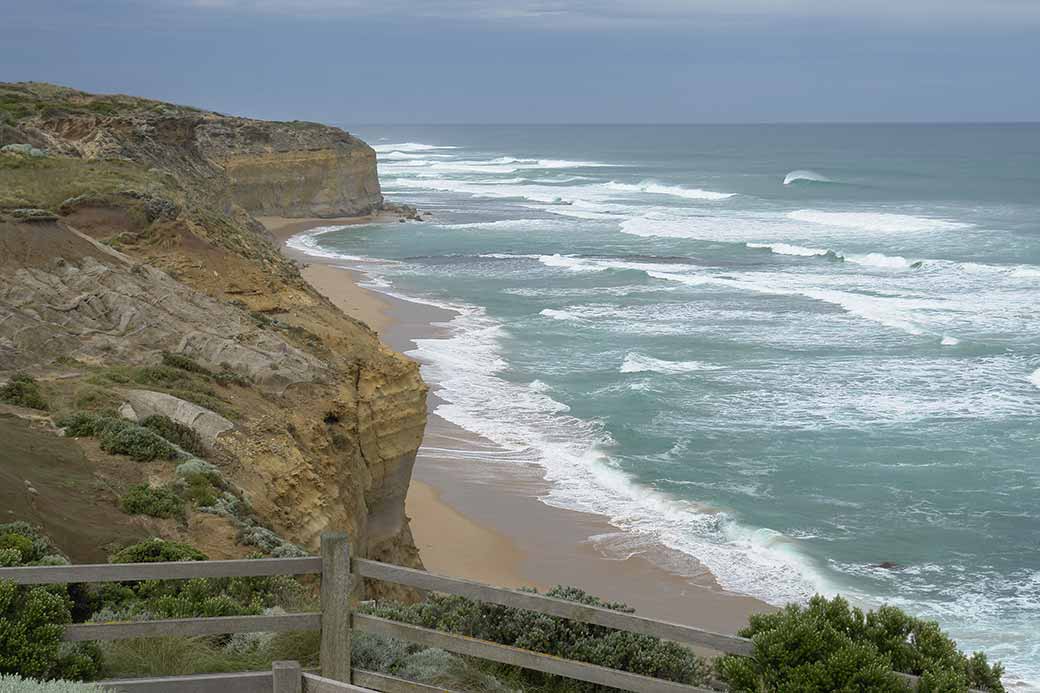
[(504, 654), (312, 683), (392, 684), (180, 570), (730, 644), (192, 626), (244, 682)]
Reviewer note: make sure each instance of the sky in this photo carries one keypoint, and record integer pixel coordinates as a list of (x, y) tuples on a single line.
[(543, 61)]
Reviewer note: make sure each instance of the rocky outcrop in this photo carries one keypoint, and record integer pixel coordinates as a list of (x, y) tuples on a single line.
[(141, 404)]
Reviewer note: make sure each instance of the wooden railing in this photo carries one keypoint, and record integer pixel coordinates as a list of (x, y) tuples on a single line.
[(340, 576)]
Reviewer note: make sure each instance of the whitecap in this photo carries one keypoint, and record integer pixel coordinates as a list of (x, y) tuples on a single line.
[(788, 249), (410, 147), (947, 340), (673, 190), (879, 222), (1035, 377), (640, 363), (559, 314)]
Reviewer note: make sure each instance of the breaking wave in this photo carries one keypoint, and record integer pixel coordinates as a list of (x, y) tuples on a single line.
[(803, 175), (673, 190), (880, 222), (410, 147), (639, 363)]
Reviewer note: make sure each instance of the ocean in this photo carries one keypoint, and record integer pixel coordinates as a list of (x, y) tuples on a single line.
[(807, 355)]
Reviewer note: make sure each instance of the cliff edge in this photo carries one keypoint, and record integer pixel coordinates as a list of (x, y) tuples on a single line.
[(134, 278)]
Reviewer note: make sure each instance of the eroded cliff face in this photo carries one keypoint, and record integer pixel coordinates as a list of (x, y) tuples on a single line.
[(145, 244), (293, 169)]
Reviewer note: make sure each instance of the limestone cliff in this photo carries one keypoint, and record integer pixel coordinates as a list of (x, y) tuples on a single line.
[(291, 169), (129, 236)]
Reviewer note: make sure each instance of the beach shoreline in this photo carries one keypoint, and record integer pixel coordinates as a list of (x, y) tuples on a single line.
[(485, 520)]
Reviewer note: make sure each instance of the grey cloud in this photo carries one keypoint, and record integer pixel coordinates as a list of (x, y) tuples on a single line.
[(590, 13)]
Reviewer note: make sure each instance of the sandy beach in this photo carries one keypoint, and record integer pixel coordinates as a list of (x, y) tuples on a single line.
[(485, 520)]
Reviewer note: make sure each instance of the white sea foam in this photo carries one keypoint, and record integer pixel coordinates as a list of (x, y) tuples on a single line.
[(423, 157), (788, 249), (1035, 377), (574, 264), (880, 222), (947, 340), (559, 314), (410, 147), (1026, 272), (879, 260), (640, 363), (506, 225), (674, 190), (805, 175)]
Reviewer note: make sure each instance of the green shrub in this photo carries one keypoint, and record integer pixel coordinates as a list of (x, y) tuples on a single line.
[(236, 596), (175, 432), (16, 684), (83, 424), (31, 626), (137, 442), (528, 630), (227, 376), (829, 646), (16, 542), (154, 502), (157, 551), (23, 391), (37, 550), (184, 363)]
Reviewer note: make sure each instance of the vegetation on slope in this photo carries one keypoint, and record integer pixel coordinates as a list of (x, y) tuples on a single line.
[(829, 646)]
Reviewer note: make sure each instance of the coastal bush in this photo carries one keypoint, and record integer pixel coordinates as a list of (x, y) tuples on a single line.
[(154, 502), (640, 654), (17, 684), (177, 433), (39, 547), (32, 619), (237, 596), (137, 442), (157, 551), (184, 363), (829, 646), (22, 390)]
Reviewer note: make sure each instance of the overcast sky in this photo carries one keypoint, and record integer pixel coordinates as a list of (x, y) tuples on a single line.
[(543, 61)]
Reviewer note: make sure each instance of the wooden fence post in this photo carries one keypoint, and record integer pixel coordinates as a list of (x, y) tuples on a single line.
[(288, 677), (335, 606)]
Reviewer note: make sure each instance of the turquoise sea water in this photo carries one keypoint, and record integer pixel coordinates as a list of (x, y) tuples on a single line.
[(793, 352)]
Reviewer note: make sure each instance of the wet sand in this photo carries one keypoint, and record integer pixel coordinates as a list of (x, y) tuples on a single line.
[(479, 516)]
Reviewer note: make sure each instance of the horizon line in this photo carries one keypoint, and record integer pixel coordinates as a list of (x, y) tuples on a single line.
[(700, 123)]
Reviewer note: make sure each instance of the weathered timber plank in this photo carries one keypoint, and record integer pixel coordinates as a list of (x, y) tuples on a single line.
[(335, 606), (120, 572), (392, 684), (288, 677), (522, 658), (245, 682), (312, 683), (730, 644), (192, 626)]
